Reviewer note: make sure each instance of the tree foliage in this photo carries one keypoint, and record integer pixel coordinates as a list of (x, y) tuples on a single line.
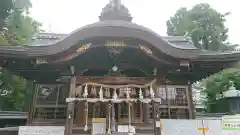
[(205, 26), (218, 83), (18, 28)]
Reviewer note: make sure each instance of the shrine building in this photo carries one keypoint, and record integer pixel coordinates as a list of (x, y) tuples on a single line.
[(112, 69)]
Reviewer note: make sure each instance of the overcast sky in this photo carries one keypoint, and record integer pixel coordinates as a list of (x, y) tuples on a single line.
[(64, 16)]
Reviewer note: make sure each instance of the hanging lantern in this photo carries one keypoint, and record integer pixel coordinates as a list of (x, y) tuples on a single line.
[(101, 94), (85, 94)]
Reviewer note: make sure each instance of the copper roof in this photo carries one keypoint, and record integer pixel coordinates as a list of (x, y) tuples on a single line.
[(118, 26)]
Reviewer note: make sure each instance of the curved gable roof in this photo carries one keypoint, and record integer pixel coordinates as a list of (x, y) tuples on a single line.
[(113, 28)]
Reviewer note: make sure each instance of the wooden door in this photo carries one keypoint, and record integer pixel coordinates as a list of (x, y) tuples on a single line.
[(136, 112), (99, 110), (123, 112)]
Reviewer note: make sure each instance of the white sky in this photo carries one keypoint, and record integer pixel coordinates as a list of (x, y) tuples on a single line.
[(64, 16)]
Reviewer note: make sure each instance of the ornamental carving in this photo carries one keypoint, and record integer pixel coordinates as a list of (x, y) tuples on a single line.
[(45, 91), (115, 43), (114, 47), (84, 47), (145, 49)]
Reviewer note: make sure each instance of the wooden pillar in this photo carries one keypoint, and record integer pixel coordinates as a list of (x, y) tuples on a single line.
[(107, 114), (145, 111), (69, 121), (154, 117), (191, 108), (70, 109), (168, 101), (32, 103)]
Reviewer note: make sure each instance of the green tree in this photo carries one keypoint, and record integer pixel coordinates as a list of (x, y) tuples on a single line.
[(205, 26), (18, 28), (218, 83), (5, 10)]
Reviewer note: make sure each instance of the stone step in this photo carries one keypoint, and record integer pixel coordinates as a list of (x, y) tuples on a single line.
[(145, 131), (116, 134)]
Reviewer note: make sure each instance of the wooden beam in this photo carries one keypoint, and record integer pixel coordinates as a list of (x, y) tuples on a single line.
[(114, 80)]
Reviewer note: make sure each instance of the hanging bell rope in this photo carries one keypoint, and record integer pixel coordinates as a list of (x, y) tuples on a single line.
[(86, 117)]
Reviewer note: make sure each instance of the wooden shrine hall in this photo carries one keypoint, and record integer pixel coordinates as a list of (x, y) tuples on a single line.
[(112, 69)]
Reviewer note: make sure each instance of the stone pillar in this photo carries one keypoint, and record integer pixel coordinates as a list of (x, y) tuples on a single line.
[(70, 109)]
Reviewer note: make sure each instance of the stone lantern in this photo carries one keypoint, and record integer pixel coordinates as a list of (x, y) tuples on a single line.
[(230, 103), (232, 92)]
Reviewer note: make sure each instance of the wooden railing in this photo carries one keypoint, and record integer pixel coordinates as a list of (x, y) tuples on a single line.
[(47, 114)]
